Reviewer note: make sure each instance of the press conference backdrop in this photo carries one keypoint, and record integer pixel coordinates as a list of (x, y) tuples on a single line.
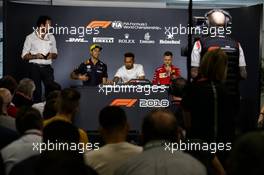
[(148, 33)]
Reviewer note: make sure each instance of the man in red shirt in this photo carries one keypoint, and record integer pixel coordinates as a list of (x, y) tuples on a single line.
[(167, 72)]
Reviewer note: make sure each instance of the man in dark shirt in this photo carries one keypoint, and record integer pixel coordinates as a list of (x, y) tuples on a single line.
[(92, 71)]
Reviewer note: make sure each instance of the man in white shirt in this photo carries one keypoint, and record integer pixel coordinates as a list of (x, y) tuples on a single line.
[(39, 50), (29, 124), (158, 129), (129, 70), (114, 129)]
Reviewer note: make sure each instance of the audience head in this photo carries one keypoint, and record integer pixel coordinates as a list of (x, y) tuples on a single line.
[(51, 105), (217, 18), (247, 155), (9, 83), (51, 87), (160, 124), (50, 109), (214, 65), (6, 98), (28, 118), (27, 87), (177, 87), (68, 102), (62, 161), (113, 121), (61, 131)]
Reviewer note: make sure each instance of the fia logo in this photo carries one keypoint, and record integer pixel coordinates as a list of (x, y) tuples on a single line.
[(117, 25)]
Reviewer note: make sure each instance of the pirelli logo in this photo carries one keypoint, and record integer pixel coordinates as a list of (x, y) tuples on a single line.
[(102, 24), (123, 102)]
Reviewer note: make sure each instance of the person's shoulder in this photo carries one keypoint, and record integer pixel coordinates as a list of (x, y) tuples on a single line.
[(102, 63), (27, 166), (133, 147), (122, 68), (174, 67), (12, 148), (160, 68), (131, 164), (86, 62), (31, 36), (51, 36), (191, 161), (6, 118), (138, 65), (55, 118), (92, 156)]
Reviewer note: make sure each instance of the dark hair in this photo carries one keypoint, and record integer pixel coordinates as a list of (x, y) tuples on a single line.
[(1, 105), (42, 20), (50, 109), (168, 53), (9, 83), (129, 54), (28, 118), (112, 118), (51, 106), (159, 124), (53, 95), (52, 86), (247, 154), (62, 162), (177, 87), (214, 65), (68, 101), (61, 131)]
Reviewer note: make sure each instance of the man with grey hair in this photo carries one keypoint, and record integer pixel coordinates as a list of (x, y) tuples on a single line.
[(5, 100), (24, 93), (160, 128)]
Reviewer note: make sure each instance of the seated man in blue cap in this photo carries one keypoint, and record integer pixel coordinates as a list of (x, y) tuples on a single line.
[(92, 71)]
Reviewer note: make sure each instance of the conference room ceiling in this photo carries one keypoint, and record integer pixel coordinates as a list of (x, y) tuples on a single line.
[(148, 3)]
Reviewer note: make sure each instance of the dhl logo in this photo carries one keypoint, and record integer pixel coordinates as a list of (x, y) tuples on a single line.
[(123, 102), (102, 24)]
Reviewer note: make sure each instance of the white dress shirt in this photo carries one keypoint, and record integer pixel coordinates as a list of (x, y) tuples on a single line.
[(34, 45), (21, 149), (111, 156), (127, 74)]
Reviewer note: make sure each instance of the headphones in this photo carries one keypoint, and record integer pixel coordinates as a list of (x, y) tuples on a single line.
[(228, 17)]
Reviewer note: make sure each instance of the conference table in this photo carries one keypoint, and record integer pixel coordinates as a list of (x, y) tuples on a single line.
[(136, 100)]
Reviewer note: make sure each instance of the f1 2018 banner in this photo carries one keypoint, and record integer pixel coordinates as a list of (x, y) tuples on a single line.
[(148, 33)]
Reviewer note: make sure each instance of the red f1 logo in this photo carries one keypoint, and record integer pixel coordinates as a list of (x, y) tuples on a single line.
[(123, 102)]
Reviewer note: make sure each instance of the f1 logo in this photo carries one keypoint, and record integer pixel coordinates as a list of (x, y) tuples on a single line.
[(123, 102), (103, 24)]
